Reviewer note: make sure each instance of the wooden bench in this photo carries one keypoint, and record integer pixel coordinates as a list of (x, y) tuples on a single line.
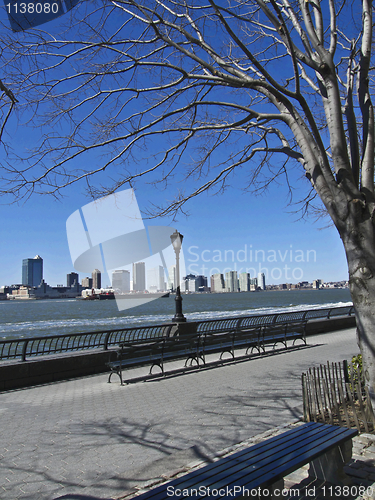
[(263, 466)]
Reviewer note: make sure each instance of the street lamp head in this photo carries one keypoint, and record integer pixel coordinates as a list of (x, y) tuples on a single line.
[(176, 239)]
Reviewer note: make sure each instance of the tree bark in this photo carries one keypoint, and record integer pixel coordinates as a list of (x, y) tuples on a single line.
[(359, 242)]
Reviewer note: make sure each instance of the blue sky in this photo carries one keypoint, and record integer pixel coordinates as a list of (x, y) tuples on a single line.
[(233, 230)]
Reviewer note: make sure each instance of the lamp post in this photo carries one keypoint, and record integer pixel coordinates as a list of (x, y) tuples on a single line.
[(176, 239)]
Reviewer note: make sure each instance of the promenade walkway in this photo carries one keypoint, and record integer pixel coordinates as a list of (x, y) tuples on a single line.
[(86, 439)]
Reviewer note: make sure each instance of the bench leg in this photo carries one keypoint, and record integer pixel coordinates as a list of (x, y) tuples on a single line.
[(330, 466)]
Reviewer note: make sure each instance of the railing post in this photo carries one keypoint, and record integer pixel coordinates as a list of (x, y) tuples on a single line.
[(106, 341), (23, 356)]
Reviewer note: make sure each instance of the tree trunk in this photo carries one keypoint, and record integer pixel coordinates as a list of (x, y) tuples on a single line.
[(359, 243)]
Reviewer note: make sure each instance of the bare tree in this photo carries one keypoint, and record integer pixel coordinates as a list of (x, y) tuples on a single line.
[(257, 84), (7, 104)]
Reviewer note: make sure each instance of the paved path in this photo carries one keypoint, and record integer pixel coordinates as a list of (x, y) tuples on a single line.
[(87, 439)]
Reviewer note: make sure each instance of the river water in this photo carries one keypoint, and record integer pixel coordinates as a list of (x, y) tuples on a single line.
[(32, 318)]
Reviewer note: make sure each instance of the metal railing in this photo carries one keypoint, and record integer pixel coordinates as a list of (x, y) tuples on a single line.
[(25, 348), (53, 344)]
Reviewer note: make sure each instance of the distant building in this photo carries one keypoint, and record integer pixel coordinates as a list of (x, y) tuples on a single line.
[(71, 278), (32, 271), (155, 279), (261, 281), (231, 281), (87, 282), (202, 281), (317, 284), (121, 281), (194, 283), (217, 283), (189, 283), (96, 279), (244, 282), (139, 277), (172, 278), (44, 291), (253, 284)]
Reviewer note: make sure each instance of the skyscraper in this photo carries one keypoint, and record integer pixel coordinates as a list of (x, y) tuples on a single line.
[(155, 279), (121, 281), (71, 278), (172, 278), (261, 281), (253, 284), (244, 281), (217, 283), (96, 278), (139, 277), (231, 281), (32, 271)]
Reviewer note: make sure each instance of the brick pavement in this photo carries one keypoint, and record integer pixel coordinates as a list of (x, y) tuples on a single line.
[(88, 439)]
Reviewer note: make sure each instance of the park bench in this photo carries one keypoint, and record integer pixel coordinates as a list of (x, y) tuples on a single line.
[(230, 342), (154, 352), (283, 332), (133, 354), (263, 466), (194, 347)]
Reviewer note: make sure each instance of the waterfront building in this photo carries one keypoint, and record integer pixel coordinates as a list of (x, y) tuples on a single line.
[(71, 278), (202, 281), (155, 279), (217, 283), (87, 282), (139, 277), (231, 281), (317, 284), (253, 284), (23, 292), (121, 281), (96, 279), (44, 291), (32, 271), (191, 283), (261, 281), (244, 282)]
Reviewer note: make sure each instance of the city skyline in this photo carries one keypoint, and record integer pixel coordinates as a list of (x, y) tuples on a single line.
[(158, 280), (251, 229)]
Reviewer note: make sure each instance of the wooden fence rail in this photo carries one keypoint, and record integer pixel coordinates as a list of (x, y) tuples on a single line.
[(335, 393)]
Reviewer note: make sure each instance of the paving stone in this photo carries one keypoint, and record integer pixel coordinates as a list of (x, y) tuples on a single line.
[(110, 438)]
